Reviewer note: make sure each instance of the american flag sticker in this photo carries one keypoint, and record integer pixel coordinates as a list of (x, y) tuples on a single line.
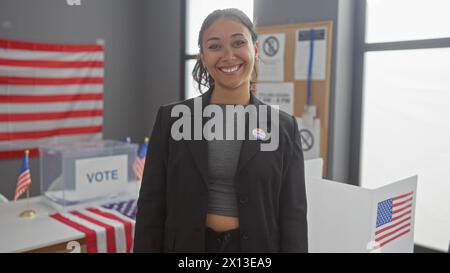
[(394, 219)]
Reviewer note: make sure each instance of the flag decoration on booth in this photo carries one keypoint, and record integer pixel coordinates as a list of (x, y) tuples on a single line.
[(127, 208), (49, 93), (107, 229), (24, 178), (139, 162), (394, 218)]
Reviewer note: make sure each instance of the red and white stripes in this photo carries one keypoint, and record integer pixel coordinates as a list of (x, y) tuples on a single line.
[(106, 231), (49, 93), (23, 183), (138, 167)]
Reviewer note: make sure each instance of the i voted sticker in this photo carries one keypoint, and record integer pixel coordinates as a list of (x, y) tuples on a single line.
[(259, 133)]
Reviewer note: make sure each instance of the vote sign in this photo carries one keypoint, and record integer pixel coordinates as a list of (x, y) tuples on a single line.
[(101, 175)]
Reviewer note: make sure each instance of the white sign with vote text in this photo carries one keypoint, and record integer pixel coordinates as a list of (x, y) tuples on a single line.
[(101, 175)]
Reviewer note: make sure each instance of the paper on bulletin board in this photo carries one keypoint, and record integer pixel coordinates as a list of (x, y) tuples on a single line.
[(271, 57), (310, 137), (302, 54), (281, 94)]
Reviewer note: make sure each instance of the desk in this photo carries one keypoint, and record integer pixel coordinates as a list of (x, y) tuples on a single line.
[(39, 234)]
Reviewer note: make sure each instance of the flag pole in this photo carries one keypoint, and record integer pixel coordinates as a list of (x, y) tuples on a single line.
[(27, 204), (27, 213)]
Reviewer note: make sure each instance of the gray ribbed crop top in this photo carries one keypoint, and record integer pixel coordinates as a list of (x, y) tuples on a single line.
[(223, 156)]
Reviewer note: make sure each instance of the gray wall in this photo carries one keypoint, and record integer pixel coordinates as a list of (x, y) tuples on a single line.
[(141, 58), (341, 12), (164, 47)]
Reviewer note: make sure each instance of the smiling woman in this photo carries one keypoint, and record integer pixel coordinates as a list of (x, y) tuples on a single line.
[(228, 49), (215, 194)]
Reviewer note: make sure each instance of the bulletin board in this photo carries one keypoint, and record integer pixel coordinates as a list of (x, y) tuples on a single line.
[(320, 89)]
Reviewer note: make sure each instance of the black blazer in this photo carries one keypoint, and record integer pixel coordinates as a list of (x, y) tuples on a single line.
[(173, 199)]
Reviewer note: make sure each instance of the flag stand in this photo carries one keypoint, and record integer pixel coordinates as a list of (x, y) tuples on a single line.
[(28, 213)]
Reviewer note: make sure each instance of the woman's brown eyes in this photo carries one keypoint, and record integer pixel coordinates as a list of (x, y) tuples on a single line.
[(214, 46), (235, 44), (239, 43)]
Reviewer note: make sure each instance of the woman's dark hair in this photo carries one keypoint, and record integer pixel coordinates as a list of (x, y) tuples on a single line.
[(200, 74)]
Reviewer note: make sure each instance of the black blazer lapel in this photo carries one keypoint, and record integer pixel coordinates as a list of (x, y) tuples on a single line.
[(199, 148), (249, 147)]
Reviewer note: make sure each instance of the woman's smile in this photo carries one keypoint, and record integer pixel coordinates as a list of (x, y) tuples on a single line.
[(231, 70)]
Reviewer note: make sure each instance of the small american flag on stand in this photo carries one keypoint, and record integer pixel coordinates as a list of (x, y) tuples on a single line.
[(393, 218), (24, 179), (139, 162)]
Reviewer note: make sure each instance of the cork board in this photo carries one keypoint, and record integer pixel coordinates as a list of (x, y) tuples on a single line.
[(320, 89)]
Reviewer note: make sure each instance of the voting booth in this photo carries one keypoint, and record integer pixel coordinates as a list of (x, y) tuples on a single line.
[(75, 175), (347, 218)]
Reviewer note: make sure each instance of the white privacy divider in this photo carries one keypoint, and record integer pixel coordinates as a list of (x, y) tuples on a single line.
[(347, 218)]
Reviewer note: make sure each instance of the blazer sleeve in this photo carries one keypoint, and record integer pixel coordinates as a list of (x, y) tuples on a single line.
[(293, 204), (149, 228)]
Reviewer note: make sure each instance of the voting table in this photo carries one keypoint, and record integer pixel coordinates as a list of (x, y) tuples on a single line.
[(341, 218), (40, 234)]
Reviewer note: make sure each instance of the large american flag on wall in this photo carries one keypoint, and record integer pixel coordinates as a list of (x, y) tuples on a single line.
[(49, 93)]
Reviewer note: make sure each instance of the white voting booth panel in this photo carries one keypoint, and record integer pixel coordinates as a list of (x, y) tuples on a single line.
[(347, 218), (314, 168)]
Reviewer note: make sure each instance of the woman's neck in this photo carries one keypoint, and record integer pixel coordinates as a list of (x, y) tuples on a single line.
[(239, 95)]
